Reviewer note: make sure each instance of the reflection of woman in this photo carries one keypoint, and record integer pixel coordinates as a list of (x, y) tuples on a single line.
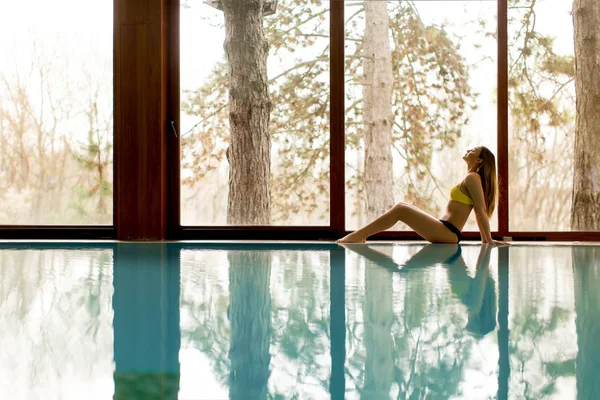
[(476, 192), (478, 294)]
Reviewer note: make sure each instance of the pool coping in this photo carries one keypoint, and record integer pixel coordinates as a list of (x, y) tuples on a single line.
[(247, 244)]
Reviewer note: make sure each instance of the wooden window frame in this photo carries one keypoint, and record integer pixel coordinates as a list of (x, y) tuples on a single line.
[(146, 203)]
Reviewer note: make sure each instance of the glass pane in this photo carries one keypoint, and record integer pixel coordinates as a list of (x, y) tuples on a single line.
[(438, 60), (56, 108), (542, 115), (279, 155)]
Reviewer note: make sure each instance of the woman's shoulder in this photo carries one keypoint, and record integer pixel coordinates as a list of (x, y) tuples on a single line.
[(472, 178)]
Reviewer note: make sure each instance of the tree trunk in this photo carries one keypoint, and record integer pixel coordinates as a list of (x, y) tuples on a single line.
[(250, 316), (585, 212), (378, 317), (377, 109), (586, 269), (249, 110)]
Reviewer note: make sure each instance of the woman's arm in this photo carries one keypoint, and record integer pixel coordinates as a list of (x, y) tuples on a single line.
[(483, 260), (473, 184), (483, 239), (476, 291)]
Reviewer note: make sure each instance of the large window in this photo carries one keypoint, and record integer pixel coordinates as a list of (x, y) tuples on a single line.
[(255, 128), (420, 91), (56, 127), (309, 114), (542, 118)]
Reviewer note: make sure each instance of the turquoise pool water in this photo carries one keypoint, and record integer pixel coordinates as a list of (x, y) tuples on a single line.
[(298, 321)]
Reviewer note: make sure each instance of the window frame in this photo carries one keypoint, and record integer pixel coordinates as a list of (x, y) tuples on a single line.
[(165, 213)]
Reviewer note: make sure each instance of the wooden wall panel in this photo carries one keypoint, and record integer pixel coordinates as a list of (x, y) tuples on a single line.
[(502, 154), (140, 120), (138, 11), (337, 121)]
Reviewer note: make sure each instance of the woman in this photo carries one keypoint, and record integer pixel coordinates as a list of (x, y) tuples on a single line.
[(477, 191)]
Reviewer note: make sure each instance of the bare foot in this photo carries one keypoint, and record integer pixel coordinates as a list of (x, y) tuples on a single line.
[(351, 238)]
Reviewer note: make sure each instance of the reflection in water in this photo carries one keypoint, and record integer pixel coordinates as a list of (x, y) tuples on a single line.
[(378, 319), (337, 326), (261, 322), (587, 307), (371, 322), (55, 318), (250, 316), (503, 332), (146, 322), (542, 342), (478, 294), (420, 345)]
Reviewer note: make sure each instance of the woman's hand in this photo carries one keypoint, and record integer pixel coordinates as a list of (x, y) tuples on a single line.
[(499, 243)]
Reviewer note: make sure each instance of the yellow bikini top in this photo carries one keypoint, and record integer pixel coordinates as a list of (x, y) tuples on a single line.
[(457, 195)]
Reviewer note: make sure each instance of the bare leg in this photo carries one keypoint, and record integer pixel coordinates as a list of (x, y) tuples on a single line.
[(429, 255), (428, 227), (380, 224)]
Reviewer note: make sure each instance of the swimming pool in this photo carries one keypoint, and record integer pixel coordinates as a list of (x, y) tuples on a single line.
[(298, 321)]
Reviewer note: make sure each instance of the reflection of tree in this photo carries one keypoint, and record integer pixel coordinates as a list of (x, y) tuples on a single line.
[(55, 308), (20, 282), (250, 316), (540, 317), (586, 268), (429, 346), (529, 328), (298, 329), (206, 304), (301, 324), (378, 318)]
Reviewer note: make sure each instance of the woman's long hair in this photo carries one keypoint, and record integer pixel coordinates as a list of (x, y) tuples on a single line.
[(489, 179)]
